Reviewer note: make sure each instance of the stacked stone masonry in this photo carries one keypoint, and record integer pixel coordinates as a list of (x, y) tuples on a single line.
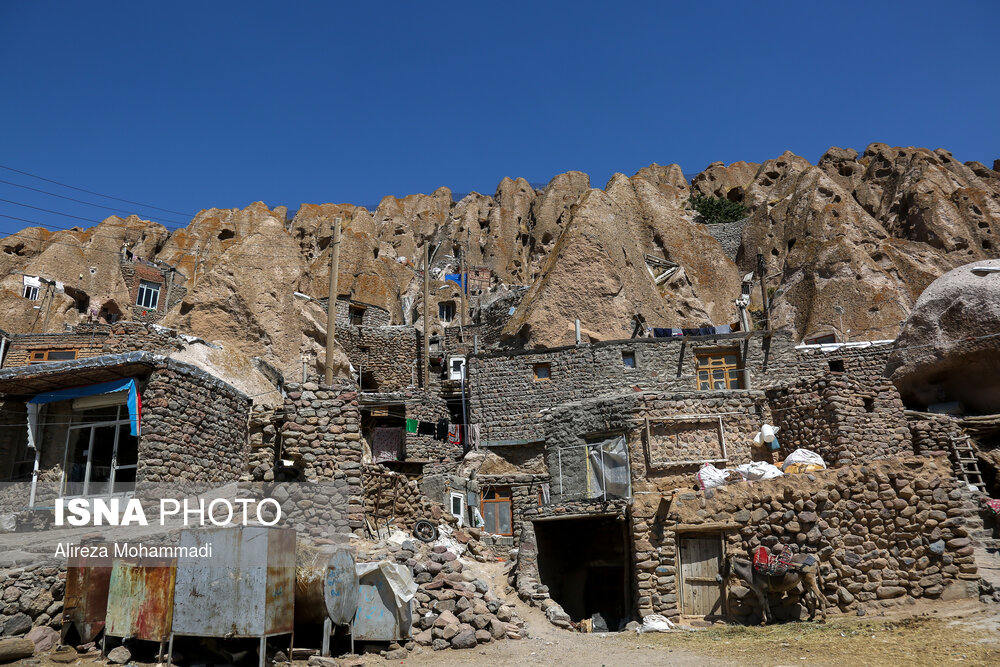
[(840, 418), (885, 533)]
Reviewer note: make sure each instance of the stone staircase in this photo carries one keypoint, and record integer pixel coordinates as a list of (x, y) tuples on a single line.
[(985, 536)]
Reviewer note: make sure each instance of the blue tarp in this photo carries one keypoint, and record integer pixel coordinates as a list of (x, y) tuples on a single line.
[(457, 279), (128, 384)]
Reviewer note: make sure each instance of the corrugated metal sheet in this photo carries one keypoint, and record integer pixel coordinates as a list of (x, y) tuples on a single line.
[(245, 589), (378, 618), (141, 598), (85, 602)]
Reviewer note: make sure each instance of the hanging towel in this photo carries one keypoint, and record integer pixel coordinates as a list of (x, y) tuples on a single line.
[(411, 425), (425, 428), (472, 436), (387, 444), (442, 430), (660, 333), (455, 434)]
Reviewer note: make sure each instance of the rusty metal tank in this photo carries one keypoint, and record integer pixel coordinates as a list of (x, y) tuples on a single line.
[(85, 603), (141, 598), (245, 588), (326, 585)]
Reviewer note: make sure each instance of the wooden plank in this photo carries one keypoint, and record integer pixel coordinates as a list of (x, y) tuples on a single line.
[(700, 560)]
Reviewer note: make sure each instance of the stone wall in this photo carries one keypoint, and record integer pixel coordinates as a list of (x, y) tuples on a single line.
[(263, 442), (419, 405), (933, 432), (840, 418), (663, 460), (194, 427), (886, 533), (373, 316), (389, 494), (386, 357), (133, 272), (866, 362), (92, 340), (31, 596), (22, 345), (321, 434), (729, 235), (506, 398)]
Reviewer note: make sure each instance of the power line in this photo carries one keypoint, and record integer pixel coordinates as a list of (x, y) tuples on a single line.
[(91, 192), (79, 201)]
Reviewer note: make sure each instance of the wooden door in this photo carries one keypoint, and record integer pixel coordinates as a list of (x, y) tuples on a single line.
[(701, 562)]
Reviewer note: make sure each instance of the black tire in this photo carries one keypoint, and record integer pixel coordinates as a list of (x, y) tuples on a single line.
[(425, 531)]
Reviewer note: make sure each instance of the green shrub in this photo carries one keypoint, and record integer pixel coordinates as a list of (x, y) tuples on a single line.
[(717, 210)]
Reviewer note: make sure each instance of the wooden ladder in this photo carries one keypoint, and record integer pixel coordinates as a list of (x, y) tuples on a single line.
[(966, 465)]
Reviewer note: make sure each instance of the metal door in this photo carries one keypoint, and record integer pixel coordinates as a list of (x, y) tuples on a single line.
[(701, 562)]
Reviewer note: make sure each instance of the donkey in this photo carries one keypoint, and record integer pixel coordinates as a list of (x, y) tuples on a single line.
[(803, 569)]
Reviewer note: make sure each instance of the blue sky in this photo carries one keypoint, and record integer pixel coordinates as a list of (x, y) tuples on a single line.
[(188, 105)]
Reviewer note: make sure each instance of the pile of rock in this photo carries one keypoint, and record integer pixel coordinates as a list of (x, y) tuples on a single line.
[(30, 596), (454, 608)]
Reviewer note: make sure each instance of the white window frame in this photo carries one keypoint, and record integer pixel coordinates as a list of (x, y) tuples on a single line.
[(455, 495), (148, 295), (123, 419), (31, 292), (459, 373), (446, 311)]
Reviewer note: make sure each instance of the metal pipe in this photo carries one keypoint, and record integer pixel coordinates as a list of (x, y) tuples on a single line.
[(331, 306), (578, 331)]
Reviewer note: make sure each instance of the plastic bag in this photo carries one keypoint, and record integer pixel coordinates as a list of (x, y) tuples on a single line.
[(796, 468), (804, 456), (758, 470), (656, 623), (710, 477)]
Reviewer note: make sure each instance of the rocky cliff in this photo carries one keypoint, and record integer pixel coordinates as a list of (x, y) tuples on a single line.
[(859, 234)]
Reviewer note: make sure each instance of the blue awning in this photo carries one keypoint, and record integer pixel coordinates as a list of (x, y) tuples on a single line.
[(128, 384)]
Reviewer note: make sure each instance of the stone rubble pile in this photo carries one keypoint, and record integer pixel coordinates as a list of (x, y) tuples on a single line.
[(29, 597), (453, 607)]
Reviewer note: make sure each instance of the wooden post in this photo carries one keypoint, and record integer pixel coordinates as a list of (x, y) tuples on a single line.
[(170, 285), (51, 291), (331, 306), (763, 292), (427, 317), (464, 280)]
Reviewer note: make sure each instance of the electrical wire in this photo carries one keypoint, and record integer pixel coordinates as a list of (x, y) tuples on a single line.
[(79, 201), (91, 192)]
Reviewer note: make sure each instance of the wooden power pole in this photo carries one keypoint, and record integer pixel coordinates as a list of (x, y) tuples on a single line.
[(464, 284), (763, 292), (427, 316), (331, 307)]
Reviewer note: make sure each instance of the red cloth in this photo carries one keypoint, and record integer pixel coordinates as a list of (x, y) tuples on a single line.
[(994, 505)]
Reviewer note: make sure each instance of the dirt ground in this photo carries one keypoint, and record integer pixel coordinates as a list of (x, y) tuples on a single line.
[(966, 632)]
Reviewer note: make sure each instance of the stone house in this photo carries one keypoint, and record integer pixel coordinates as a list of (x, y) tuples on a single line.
[(592, 540), (154, 288), (107, 425)]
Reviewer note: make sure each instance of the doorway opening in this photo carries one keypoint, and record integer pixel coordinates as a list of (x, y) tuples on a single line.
[(585, 564)]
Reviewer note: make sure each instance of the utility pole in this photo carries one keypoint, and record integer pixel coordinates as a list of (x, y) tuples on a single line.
[(427, 317), (331, 306), (464, 280), (763, 292)]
